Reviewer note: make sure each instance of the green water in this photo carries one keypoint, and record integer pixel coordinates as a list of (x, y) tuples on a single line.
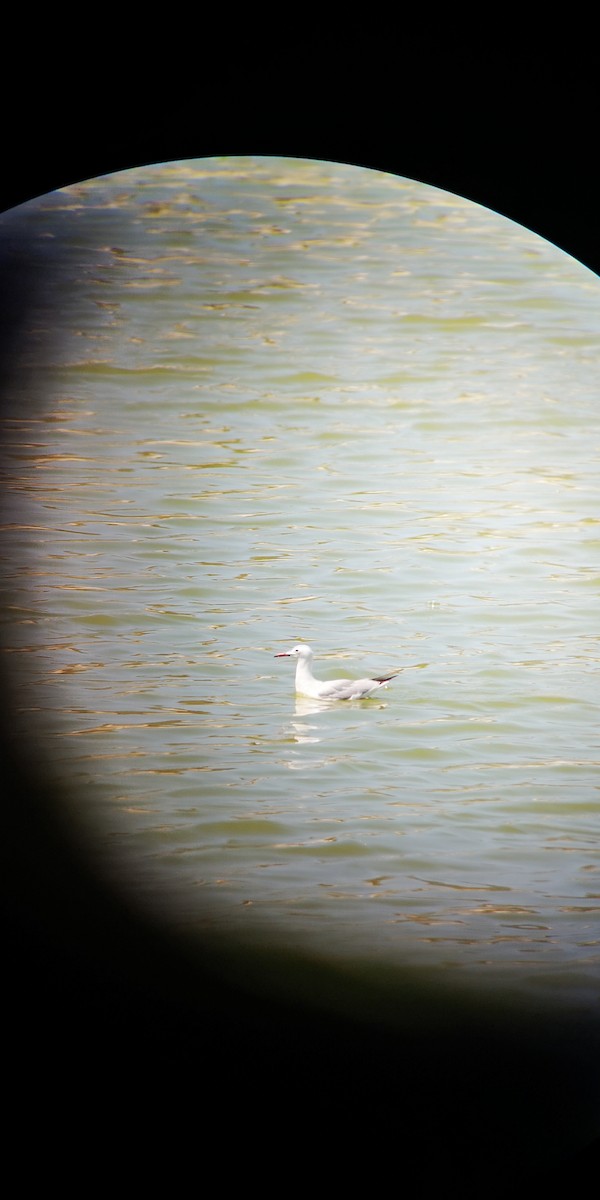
[(269, 401)]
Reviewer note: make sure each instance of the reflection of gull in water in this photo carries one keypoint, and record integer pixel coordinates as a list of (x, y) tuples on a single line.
[(301, 732), (304, 707), (330, 689)]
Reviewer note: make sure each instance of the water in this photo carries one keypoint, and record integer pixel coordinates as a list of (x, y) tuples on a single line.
[(267, 401)]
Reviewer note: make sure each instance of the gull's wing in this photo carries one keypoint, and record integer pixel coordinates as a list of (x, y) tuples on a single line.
[(349, 689)]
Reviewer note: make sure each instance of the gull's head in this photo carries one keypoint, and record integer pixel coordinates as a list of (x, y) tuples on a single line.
[(296, 652)]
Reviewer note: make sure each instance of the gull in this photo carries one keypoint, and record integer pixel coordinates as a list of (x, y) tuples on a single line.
[(330, 689)]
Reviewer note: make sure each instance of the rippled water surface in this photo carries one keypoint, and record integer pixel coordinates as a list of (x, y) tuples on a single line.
[(271, 401)]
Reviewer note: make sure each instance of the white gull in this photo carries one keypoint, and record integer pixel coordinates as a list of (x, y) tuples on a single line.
[(330, 689)]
